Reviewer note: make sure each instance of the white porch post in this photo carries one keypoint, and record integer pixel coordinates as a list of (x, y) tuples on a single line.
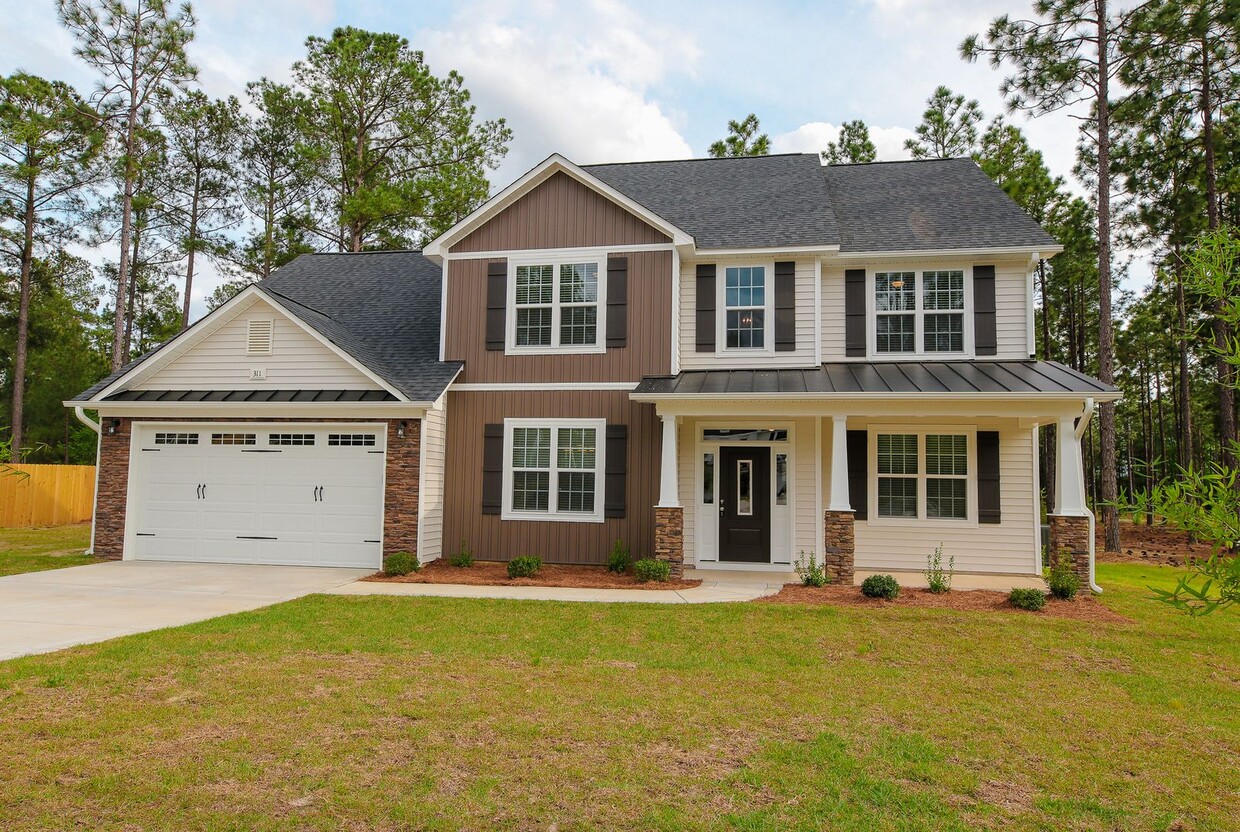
[(1069, 471), (669, 496), (840, 499)]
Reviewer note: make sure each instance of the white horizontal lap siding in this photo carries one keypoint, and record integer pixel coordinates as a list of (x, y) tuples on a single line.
[(298, 361), (803, 356), (832, 314), (1011, 310), (431, 488), (805, 533), (1007, 547)]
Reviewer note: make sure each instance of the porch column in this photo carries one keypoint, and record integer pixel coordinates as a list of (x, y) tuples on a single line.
[(1071, 522), (669, 516), (839, 541)]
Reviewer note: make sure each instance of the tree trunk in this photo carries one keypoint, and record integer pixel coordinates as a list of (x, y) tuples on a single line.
[(189, 265), (119, 345), (1106, 334), (131, 295), (23, 325), (1185, 444)]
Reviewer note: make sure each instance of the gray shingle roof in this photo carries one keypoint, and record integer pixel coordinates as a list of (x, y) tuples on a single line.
[(747, 202), (884, 378), (930, 204)]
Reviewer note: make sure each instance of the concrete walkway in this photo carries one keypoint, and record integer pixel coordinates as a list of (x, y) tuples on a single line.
[(45, 611), (717, 586)]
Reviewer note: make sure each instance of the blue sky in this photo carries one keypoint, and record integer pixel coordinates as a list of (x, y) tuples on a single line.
[(609, 80)]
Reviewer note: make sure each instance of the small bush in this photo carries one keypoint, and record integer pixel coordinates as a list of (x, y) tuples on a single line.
[(525, 566), (1027, 598), (1060, 577), (810, 571), (880, 586), (620, 559), (939, 579), (400, 563), (649, 569), (462, 557)]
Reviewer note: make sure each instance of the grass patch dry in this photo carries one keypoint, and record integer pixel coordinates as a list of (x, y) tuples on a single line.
[(429, 713), (33, 550)]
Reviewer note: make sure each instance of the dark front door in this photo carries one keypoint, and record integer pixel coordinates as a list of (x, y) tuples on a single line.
[(745, 504)]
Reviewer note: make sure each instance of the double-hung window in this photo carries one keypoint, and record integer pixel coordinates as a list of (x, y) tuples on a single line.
[(919, 314), (553, 469), (922, 475), (555, 306), (744, 304)]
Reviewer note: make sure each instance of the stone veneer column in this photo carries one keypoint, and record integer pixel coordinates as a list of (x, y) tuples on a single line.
[(113, 488), (1071, 534), (669, 537), (839, 546), (403, 488)]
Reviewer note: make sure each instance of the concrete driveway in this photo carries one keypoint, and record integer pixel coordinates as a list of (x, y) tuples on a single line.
[(45, 611)]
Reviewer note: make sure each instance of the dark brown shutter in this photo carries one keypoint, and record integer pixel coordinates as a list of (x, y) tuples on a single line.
[(497, 303), (785, 306), (858, 473), (614, 502), (988, 476), (854, 313), (617, 301), (985, 336), (492, 469), (705, 307)]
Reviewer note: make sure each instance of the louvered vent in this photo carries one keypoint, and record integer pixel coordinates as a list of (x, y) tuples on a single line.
[(258, 337)]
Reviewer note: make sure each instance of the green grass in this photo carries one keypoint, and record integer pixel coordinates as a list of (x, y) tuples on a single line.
[(391, 713), (33, 550)]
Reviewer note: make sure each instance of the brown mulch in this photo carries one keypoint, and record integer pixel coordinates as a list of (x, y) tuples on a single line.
[(495, 573), (1150, 544), (1080, 608)]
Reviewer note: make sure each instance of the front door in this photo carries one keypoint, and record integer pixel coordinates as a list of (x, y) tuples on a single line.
[(745, 504)]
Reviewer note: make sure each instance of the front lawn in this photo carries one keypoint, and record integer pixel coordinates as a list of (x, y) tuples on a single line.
[(405, 713), (33, 550)]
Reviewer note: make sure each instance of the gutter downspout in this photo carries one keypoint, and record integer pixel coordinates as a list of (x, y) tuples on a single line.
[(94, 503), (1081, 426)]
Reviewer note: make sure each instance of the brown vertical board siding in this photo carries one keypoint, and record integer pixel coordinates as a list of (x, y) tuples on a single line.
[(648, 349), (494, 539), (560, 213)]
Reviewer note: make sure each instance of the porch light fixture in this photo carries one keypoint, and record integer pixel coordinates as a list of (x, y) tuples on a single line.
[(400, 430), (113, 425)]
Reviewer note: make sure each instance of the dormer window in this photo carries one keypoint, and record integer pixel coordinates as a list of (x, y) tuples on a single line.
[(554, 306), (919, 313)]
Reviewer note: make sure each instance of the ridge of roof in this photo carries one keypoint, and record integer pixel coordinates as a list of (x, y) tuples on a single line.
[(693, 159)]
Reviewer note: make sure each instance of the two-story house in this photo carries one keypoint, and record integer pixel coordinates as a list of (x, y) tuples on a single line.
[(725, 363)]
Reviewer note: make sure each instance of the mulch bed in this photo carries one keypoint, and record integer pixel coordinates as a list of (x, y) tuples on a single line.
[(1080, 608), (495, 573), (1150, 544)]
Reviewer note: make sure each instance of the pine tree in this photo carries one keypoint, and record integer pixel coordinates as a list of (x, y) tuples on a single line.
[(743, 139), (854, 146), (948, 128)]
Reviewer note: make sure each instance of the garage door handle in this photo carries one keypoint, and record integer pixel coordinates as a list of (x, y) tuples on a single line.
[(254, 537)]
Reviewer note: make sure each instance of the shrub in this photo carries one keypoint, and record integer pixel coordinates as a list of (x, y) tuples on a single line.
[(462, 557), (880, 586), (649, 569), (525, 566), (1027, 598), (400, 563), (811, 572), (939, 579), (1061, 578), (620, 559)]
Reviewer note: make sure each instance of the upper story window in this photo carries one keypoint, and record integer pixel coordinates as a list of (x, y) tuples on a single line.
[(555, 307), (744, 303), (916, 314)]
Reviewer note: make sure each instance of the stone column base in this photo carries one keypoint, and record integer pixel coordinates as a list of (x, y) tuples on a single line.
[(840, 546), (1070, 536), (669, 538)]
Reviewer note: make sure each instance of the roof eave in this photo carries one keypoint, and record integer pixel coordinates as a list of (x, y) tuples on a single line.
[(1107, 396), (1043, 251)]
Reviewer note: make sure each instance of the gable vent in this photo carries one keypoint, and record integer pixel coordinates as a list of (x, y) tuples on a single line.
[(258, 336)]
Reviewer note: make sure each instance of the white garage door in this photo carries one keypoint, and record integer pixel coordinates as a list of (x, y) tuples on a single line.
[(293, 494)]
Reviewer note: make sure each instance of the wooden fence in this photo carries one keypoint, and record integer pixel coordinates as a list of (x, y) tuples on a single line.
[(52, 495)]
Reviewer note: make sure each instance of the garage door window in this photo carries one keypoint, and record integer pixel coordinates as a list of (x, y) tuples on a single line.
[(234, 439), (366, 440), (176, 439), (290, 439)]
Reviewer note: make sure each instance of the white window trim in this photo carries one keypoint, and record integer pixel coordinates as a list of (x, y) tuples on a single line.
[(721, 315), (600, 467), (919, 352), (920, 431), (555, 261)]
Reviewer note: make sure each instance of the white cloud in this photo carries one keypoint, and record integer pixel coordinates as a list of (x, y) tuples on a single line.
[(573, 79), (814, 137)]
